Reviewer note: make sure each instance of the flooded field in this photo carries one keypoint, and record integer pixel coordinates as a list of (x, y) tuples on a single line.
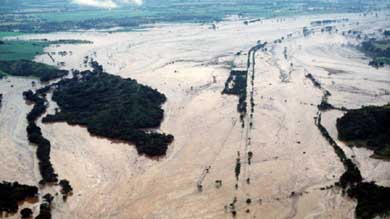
[(291, 160)]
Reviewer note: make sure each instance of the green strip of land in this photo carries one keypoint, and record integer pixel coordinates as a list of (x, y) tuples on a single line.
[(16, 49)]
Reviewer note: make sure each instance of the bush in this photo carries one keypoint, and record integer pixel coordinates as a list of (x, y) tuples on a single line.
[(66, 189), (11, 194), (26, 213), (45, 207)]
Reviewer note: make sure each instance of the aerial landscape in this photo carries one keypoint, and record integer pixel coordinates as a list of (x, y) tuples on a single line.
[(179, 109)]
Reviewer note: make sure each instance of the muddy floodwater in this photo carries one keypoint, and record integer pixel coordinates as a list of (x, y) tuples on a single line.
[(190, 63)]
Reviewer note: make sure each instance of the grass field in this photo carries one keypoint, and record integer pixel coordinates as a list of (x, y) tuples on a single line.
[(382, 44), (2, 74), (15, 50), (56, 15), (197, 10), (9, 34)]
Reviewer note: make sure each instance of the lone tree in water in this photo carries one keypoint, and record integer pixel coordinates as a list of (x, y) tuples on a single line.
[(66, 188)]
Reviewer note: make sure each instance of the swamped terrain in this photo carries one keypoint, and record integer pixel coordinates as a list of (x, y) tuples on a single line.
[(256, 110)]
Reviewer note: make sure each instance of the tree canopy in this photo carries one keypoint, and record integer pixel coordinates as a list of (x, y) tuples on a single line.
[(113, 107), (368, 127), (13, 193), (30, 68)]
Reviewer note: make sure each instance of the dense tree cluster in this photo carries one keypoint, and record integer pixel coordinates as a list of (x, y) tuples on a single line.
[(328, 29), (373, 200), (378, 62), (247, 22), (313, 80), (13, 193), (236, 84), (44, 26), (324, 105), (379, 50), (339, 152), (26, 213), (369, 126), (45, 207), (351, 176), (68, 41), (35, 136), (306, 31), (112, 107), (328, 21), (66, 188), (237, 168), (31, 68)]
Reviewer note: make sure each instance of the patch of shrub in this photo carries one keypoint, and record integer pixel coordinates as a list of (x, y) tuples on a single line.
[(45, 207), (13, 193), (26, 213), (30, 68), (66, 188), (236, 84), (112, 107), (34, 136), (368, 127), (373, 200)]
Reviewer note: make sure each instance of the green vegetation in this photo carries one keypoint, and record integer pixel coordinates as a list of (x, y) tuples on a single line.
[(34, 134), (45, 207), (324, 105), (54, 15), (16, 49), (66, 188), (371, 123), (381, 45), (380, 61), (26, 213), (250, 156), (315, 82), (11, 194), (237, 168), (367, 127), (30, 68), (70, 41), (2, 74), (9, 34), (236, 84), (352, 173), (28, 49), (373, 200), (328, 22), (379, 50), (112, 107)]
